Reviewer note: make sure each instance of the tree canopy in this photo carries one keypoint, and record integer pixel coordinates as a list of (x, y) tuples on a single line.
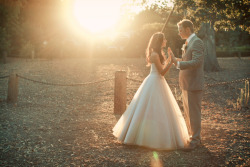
[(28, 25), (222, 14), (10, 24)]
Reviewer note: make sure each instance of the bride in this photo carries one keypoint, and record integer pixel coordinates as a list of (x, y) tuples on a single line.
[(153, 118)]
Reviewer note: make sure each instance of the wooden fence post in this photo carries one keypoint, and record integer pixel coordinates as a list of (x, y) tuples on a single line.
[(12, 88), (120, 93)]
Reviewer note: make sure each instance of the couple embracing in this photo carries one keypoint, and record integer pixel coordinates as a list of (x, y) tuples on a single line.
[(153, 119)]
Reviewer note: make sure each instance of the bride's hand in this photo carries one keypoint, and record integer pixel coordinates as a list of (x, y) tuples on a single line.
[(170, 54), (169, 59), (173, 59)]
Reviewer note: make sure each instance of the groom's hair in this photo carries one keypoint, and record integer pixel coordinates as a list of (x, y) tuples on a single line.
[(186, 23)]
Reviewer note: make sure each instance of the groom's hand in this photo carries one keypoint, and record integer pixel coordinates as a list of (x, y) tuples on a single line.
[(173, 58)]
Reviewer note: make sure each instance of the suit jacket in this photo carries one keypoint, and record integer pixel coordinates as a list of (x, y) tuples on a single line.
[(191, 76)]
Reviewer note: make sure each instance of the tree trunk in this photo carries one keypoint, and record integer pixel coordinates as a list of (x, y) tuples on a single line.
[(4, 57), (206, 33)]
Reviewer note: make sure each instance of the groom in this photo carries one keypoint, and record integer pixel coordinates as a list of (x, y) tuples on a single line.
[(191, 80)]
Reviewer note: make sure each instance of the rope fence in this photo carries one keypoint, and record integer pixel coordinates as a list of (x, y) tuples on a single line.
[(206, 85), (140, 81), (105, 80), (120, 92), (3, 77), (227, 83), (57, 84)]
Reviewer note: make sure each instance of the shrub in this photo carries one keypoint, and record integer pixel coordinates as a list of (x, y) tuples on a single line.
[(4, 41), (26, 49)]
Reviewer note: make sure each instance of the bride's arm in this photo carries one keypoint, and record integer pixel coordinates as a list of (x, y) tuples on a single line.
[(154, 58)]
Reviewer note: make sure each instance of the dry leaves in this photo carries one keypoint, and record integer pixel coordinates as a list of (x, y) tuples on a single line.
[(72, 126)]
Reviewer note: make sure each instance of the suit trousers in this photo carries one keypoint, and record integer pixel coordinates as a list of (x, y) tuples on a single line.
[(192, 112)]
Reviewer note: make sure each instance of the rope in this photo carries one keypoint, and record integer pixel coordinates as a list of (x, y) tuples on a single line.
[(207, 85), (56, 84), (135, 80), (174, 85), (226, 83), (2, 77)]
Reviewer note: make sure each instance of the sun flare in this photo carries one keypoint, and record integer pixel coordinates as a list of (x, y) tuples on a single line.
[(97, 15)]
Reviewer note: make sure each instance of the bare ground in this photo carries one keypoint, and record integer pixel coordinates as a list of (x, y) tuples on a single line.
[(72, 126)]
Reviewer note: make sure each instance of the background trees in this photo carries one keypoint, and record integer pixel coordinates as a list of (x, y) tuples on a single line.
[(216, 15), (28, 26), (221, 23), (10, 30)]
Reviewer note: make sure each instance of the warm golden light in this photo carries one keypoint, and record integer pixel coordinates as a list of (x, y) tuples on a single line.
[(155, 161), (97, 15)]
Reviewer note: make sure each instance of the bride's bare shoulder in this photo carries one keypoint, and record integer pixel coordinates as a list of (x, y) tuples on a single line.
[(154, 56)]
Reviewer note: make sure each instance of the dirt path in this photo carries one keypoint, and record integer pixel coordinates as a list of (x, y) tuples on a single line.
[(71, 126)]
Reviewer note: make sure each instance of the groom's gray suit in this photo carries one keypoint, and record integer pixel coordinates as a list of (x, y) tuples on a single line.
[(191, 80)]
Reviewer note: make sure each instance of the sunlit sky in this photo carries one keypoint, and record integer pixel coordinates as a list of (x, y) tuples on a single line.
[(97, 15), (100, 15)]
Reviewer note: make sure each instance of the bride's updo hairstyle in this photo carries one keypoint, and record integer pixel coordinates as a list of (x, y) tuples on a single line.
[(155, 45)]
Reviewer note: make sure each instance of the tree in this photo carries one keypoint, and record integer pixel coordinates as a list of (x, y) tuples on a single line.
[(10, 31), (208, 17), (4, 40), (148, 21), (25, 24), (145, 17), (206, 33), (214, 15)]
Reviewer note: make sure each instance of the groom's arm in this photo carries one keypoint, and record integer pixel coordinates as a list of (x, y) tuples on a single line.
[(197, 56)]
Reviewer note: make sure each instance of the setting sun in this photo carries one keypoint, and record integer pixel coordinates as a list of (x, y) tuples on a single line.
[(96, 15)]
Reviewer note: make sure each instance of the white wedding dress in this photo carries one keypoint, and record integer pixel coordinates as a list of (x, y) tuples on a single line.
[(153, 119)]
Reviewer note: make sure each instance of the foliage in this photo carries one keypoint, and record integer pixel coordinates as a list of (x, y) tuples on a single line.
[(145, 17), (26, 49), (38, 21), (223, 14), (25, 20), (33, 34), (231, 38), (152, 27), (144, 25), (4, 41), (146, 32), (234, 49), (10, 24)]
